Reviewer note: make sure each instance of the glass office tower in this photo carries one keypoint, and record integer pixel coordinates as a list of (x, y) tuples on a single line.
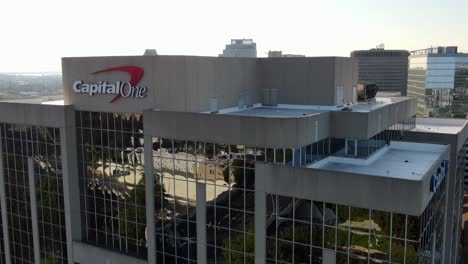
[(207, 166), (438, 77)]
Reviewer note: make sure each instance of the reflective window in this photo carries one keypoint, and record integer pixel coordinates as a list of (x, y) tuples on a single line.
[(297, 227), (21, 142), (440, 87), (112, 180)]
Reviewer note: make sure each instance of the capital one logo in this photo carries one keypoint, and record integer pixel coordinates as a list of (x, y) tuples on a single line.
[(120, 88), (439, 176)]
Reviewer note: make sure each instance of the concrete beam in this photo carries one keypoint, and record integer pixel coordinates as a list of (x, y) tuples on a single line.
[(149, 192), (85, 253), (71, 190), (201, 223), (34, 217)]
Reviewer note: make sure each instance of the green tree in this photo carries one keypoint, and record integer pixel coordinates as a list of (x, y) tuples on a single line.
[(237, 244), (137, 199)]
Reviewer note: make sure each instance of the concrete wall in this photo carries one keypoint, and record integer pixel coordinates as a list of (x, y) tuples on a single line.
[(384, 117), (365, 191), (176, 83), (307, 80), (34, 114), (187, 83), (275, 132), (231, 129), (346, 76), (364, 125)]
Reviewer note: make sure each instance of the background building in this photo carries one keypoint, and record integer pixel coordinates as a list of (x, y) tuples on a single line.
[(279, 53), (243, 48), (438, 77), (386, 68), (188, 159)]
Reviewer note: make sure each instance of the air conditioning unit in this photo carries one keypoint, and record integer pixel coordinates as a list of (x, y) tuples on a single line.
[(366, 91)]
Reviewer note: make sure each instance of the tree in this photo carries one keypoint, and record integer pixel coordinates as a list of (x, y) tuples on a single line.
[(237, 245)]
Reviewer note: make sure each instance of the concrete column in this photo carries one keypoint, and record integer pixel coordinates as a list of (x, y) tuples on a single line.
[(34, 218), (201, 223), (6, 237), (260, 219), (71, 187), (149, 192), (450, 181)]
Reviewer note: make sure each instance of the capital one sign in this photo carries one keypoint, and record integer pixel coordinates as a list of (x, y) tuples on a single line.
[(438, 177), (125, 89)]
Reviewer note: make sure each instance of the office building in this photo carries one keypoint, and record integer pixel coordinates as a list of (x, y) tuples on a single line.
[(183, 159), (275, 54), (279, 54), (453, 133), (438, 77), (240, 48), (386, 68)]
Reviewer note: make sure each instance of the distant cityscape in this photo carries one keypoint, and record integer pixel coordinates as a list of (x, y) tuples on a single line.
[(437, 76), (19, 85)]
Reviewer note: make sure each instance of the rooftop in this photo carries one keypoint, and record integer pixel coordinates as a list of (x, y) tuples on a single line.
[(290, 110), (400, 160), (272, 111), (364, 107), (438, 125)]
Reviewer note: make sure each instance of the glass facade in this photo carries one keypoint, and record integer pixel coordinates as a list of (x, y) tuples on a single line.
[(458, 205), (21, 142), (440, 84), (298, 230), (357, 148), (49, 195), (175, 200), (2, 242), (112, 198), (228, 174), (112, 184)]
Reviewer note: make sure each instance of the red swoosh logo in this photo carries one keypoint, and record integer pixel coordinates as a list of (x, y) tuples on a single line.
[(136, 73)]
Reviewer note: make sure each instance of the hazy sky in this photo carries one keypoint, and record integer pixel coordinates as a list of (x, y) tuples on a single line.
[(34, 35)]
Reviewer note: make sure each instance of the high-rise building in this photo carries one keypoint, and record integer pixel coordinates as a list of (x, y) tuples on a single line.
[(438, 77), (241, 48), (182, 159), (279, 53), (386, 68), (453, 133)]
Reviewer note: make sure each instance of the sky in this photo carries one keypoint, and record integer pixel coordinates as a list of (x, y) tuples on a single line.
[(34, 35)]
